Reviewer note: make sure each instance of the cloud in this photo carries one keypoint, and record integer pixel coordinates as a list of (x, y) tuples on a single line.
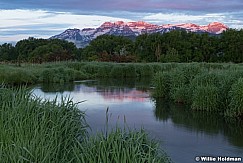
[(126, 5), (231, 19), (19, 24), (44, 18), (168, 18)]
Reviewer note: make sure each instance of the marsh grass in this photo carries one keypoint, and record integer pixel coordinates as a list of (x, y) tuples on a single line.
[(181, 78), (36, 130), (61, 75), (121, 146), (144, 70), (104, 71), (236, 100), (33, 130), (205, 98), (15, 75), (161, 82), (207, 87)]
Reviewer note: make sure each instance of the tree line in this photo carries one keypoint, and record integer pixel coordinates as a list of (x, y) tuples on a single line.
[(174, 46)]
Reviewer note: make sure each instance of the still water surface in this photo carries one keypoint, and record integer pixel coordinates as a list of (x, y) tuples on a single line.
[(182, 133)]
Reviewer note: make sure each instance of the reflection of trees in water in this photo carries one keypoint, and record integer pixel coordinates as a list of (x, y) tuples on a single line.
[(57, 87), (127, 83), (207, 122), (111, 84), (234, 131), (119, 89)]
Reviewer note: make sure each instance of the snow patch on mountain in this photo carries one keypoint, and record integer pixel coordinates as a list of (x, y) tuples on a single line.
[(83, 37)]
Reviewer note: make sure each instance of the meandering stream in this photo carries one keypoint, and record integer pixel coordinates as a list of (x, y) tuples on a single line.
[(182, 133)]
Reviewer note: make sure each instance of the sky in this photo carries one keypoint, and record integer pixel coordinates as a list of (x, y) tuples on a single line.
[(20, 19)]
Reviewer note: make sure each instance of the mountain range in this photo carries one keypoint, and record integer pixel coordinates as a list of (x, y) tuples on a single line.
[(82, 37)]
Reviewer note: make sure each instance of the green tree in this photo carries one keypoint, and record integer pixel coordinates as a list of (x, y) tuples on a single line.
[(7, 52)]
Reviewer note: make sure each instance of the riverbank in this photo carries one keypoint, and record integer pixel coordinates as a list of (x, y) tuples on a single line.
[(211, 87), (37, 130), (204, 89), (61, 72)]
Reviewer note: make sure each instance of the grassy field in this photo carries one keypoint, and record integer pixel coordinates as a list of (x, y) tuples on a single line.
[(36, 130)]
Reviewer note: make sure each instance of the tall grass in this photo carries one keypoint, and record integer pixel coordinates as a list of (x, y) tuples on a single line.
[(161, 81), (181, 78), (236, 100), (206, 98), (15, 75), (37, 130), (207, 87), (32, 130), (121, 147), (144, 70), (61, 75)]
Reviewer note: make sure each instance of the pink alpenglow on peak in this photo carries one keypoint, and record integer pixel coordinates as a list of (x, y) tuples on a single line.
[(216, 27), (83, 37)]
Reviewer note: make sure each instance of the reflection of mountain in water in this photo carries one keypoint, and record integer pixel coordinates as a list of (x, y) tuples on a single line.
[(114, 93), (206, 122), (121, 94), (110, 90)]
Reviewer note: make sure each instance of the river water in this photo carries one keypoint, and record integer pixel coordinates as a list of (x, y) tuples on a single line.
[(182, 133)]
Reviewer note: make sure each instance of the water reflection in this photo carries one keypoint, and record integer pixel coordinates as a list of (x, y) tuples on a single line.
[(196, 121), (184, 133), (57, 87), (108, 90)]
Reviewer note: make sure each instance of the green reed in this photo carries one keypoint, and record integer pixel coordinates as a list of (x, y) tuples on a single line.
[(236, 100), (161, 81), (205, 98), (120, 146), (208, 87), (36, 130)]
